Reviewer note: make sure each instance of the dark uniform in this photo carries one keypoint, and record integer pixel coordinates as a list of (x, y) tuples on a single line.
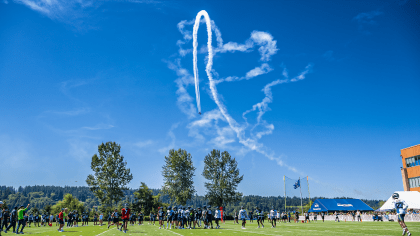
[(13, 219)]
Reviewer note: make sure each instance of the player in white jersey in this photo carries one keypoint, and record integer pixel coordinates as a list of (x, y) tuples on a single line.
[(278, 216), (307, 217), (273, 214), (217, 217), (401, 207), (186, 216), (181, 214), (169, 216), (243, 215)]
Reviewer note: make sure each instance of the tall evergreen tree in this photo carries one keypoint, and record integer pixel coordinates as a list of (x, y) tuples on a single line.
[(178, 173), (146, 201), (223, 174), (111, 174)]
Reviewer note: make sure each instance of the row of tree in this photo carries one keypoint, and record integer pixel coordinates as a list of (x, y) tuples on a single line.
[(111, 176), (108, 186)]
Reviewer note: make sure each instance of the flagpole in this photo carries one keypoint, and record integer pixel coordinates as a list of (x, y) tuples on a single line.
[(284, 179), (301, 204), (307, 180)]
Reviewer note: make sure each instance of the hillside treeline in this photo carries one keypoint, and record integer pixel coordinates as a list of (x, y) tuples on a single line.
[(41, 196)]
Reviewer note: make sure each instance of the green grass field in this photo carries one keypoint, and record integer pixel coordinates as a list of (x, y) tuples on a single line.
[(317, 228)]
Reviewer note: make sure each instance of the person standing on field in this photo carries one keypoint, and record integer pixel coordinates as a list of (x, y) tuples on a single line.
[(13, 217), (125, 214), (272, 216), (115, 221), (61, 216), (243, 215), (101, 218), (217, 217), (21, 220), (6, 216), (401, 208)]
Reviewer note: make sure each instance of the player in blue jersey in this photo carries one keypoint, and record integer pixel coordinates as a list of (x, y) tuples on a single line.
[(401, 207), (209, 217), (260, 216), (115, 219), (175, 217), (161, 215), (180, 218), (198, 216), (140, 215)]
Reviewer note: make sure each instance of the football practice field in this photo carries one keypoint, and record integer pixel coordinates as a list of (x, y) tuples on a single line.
[(313, 228)]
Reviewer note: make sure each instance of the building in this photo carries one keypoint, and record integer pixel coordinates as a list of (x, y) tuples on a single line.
[(411, 168)]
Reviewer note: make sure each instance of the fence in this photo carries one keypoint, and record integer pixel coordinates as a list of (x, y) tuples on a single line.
[(408, 217)]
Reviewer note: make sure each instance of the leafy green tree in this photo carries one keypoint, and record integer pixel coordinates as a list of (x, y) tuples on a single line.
[(47, 209), (17, 199), (69, 202), (111, 174), (143, 199), (146, 201), (381, 203), (178, 173), (34, 211), (223, 174)]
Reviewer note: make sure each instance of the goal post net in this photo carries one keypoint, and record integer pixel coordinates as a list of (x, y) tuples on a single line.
[(296, 194)]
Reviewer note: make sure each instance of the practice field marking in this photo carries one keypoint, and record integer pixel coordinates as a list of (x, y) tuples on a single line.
[(251, 232), (104, 232)]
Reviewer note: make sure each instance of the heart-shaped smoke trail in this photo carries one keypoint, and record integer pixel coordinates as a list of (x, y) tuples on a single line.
[(251, 143)]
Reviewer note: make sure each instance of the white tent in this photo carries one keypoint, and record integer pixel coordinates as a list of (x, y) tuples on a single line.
[(412, 198)]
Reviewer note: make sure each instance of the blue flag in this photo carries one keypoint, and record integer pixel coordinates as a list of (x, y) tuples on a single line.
[(297, 184)]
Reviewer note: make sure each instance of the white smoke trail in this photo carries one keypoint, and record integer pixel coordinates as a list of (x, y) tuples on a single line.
[(209, 66), (267, 49), (232, 123), (210, 50)]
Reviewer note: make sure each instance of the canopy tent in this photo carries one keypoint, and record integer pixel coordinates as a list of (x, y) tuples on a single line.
[(320, 205), (412, 198)]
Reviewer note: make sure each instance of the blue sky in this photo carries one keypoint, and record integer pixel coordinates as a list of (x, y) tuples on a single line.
[(324, 89)]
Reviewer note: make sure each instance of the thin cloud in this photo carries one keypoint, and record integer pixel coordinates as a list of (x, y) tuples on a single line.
[(184, 100), (142, 144), (172, 136), (74, 112), (328, 55), (98, 127), (73, 12), (58, 9), (367, 17)]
